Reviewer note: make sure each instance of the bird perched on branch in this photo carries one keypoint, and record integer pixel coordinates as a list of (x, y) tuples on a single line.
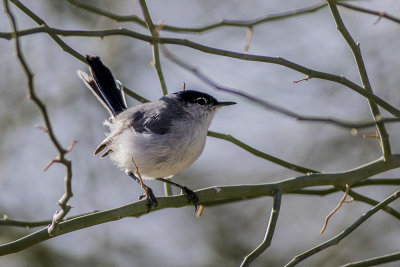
[(153, 140)]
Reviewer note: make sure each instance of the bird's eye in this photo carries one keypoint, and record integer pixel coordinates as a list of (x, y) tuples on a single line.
[(201, 101)]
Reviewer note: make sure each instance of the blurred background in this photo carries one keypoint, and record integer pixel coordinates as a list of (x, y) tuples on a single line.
[(224, 234)]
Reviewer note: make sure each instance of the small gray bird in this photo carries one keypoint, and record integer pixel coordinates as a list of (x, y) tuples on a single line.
[(153, 140)]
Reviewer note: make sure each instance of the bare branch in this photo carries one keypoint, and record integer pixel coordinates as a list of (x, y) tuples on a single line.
[(223, 23), (156, 52), (355, 48), (380, 14), (270, 106), (209, 196), (260, 154), (215, 51), (375, 261), (335, 240), (269, 233), (335, 209), (49, 129)]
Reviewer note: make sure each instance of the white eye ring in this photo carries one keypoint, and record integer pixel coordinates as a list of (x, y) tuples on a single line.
[(201, 101)]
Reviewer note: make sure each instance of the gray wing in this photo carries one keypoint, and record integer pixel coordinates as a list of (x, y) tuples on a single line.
[(151, 118)]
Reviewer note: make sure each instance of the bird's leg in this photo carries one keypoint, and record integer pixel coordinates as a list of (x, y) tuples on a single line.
[(148, 192), (192, 197)]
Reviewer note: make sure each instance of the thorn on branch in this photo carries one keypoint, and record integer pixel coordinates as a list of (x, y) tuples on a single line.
[(69, 149), (381, 15), (42, 128), (248, 38), (159, 26), (183, 86), (343, 200), (304, 79), (200, 211), (376, 136), (50, 164)]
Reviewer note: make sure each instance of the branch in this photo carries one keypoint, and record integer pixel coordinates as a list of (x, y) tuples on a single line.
[(375, 261), (345, 124), (381, 14), (5, 221), (355, 48), (209, 196), (223, 23), (356, 196), (215, 51), (63, 202), (335, 240), (42, 23), (156, 52), (269, 233), (260, 154)]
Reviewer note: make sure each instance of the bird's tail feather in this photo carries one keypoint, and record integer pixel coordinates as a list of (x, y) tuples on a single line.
[(103, 85)]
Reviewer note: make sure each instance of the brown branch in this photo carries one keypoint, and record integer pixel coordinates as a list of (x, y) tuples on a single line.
[(263, 103), (156, 51), (355, 48), (223, 23), (215, 51), (335, 240), (380, 14), (58, 216), (335, 209)]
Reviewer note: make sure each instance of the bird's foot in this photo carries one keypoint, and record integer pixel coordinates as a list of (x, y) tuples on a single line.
[(191, 196), (150, 197)]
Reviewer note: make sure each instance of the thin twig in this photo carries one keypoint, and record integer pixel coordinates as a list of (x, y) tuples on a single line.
[(42, 23), (6, 221), (355, 48), (223, 23), (63, 202), (380, 14), (345, 124), (249, 35), (215, 51), (335, 240), (375, 261), (335, 209), (156, 52), (269, 233), (355, 196), (64, 46), (261, 154)]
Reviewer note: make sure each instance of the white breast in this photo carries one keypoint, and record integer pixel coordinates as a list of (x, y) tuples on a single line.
[(159, 156)]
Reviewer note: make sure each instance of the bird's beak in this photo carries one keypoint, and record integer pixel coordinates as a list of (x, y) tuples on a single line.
[(221, 104)]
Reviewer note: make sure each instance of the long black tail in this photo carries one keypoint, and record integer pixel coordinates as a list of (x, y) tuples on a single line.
[(103, 86)]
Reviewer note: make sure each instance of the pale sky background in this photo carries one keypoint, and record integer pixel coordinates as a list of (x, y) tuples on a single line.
[(224, 234)]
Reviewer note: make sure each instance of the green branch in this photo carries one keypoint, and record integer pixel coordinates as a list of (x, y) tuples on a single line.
[(48, 129), (380, 14), (215, 51), (209, 196), (375, 261), (335, 240), (273, 218), (355, 48), (260, 154), (156, 51), (223, 23)]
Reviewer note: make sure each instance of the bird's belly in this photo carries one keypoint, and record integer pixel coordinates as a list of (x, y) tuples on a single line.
[(156, 157)]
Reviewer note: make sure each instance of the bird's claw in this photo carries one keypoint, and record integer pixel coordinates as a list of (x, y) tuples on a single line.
[(191, 196), (151, 199)]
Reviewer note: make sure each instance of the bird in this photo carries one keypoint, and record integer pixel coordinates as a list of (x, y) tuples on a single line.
[(153, 140)]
